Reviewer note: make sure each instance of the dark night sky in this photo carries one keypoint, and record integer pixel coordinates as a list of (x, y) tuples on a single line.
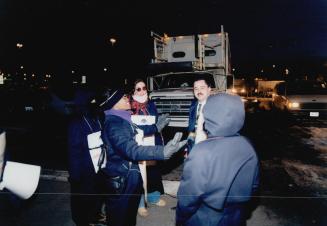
[(61, 34)]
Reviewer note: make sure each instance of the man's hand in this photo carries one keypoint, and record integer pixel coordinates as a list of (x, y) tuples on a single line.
[(173, 145)]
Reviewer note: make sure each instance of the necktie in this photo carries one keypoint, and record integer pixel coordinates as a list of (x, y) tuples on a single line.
[(197, 115), (200, 135)]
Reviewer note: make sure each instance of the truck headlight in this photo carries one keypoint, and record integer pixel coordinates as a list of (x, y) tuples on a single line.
[(293, 105)]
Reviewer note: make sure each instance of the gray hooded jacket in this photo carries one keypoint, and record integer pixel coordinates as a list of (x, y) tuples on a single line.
[(220, 170)]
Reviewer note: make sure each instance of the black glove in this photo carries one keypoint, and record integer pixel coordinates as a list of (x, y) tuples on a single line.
[(173, 145), (163, 120)]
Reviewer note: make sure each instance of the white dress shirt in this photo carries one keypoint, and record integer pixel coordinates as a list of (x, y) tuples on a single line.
[(200, 134)]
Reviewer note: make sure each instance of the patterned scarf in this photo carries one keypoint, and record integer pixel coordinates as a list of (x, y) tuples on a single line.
[(139, 108)]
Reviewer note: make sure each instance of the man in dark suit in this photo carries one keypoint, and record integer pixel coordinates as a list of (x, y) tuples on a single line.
[(202, 89)]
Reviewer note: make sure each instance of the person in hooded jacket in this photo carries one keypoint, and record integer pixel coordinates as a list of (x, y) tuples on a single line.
[(141, 105), (123, 181), (221, 173), (84, 181)]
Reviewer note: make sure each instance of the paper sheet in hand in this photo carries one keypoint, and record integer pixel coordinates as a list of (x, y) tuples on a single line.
[(142, 120), (94, 142), (21, 179)]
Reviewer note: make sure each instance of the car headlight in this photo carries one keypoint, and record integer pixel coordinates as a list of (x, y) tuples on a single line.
[(293, 105)]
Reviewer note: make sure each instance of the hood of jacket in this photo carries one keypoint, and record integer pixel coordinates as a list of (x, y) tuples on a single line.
[(224, 115)]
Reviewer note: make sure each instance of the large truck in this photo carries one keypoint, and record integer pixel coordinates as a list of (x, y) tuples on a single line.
[(177, 61)]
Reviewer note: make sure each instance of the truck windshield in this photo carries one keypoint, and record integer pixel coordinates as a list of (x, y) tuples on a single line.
[(306, 88), (184, 80)]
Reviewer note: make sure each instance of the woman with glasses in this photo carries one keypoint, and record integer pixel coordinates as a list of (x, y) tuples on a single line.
[(141, 105)]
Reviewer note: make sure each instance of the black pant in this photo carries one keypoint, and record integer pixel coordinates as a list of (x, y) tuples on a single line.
[(86, 200), (122, 207)]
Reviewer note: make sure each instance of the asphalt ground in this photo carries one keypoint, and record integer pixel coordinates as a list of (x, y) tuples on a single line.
[(50, 206)]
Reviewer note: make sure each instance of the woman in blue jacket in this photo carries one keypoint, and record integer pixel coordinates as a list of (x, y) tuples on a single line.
[(122, 175), (141, 105)]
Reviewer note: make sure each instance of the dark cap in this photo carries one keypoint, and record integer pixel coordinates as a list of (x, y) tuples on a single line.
[(110, 98)]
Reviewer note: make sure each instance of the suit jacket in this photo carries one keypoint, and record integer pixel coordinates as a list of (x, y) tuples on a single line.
[(192, 116)]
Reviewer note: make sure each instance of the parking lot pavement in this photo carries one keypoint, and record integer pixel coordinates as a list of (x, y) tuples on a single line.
[(51, 206)]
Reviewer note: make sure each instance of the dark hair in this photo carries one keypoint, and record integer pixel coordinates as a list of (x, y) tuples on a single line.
[(204, 78), (138, 80), (135, 82)]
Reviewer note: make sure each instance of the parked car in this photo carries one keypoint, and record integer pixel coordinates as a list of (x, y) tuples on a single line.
[(301, 98)]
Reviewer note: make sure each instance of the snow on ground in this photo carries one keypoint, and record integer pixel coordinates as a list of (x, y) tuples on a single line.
[(313, 177), (319, 140), (265, 217)]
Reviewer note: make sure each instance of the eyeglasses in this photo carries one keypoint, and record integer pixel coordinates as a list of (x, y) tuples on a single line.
[(139, 89)]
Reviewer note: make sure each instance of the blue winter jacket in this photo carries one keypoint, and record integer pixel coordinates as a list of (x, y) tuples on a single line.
[(152, 129), (119, 134), (221, 170)]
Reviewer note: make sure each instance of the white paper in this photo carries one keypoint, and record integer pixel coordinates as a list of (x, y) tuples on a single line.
[(142, 120), (95, 156), (94, 142), (21, 179)]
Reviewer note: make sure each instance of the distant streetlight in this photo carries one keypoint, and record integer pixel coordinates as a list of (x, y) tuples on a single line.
[(113, 41), (19, 45), (105, 69)]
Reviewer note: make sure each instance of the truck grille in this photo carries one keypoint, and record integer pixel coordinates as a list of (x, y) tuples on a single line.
[(173, 107)]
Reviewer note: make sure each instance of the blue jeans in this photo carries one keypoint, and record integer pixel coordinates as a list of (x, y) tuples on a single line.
[(153, 197)]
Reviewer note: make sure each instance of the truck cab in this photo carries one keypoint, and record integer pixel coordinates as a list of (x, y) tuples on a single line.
[(177, 62)]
